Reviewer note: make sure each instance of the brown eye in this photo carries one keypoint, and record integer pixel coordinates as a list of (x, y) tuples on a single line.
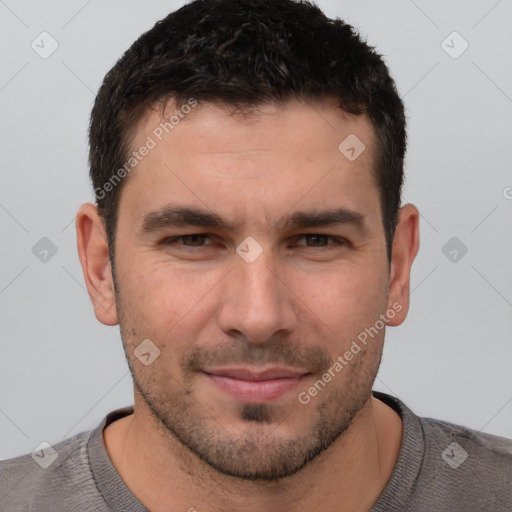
[(194, 240), (319, 240)]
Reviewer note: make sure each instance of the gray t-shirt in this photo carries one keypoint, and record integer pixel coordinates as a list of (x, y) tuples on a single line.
[(441, 467)]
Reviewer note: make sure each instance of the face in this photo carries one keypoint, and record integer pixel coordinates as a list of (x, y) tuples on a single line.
[(250, 252)]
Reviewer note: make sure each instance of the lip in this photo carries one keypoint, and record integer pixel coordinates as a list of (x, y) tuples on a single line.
[(250, 385)]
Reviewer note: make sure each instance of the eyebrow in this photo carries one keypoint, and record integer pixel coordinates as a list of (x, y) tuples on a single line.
[(182, 216)]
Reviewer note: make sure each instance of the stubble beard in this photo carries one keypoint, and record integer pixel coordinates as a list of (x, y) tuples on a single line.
[(257, 451)]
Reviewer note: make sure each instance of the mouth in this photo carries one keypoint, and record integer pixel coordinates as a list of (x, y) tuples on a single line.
[(255, 386)]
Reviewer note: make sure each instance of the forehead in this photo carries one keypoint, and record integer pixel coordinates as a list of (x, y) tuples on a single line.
[(285, 153), (305, 125)]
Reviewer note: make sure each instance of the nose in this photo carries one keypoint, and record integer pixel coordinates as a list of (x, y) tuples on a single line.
[(257, 301)]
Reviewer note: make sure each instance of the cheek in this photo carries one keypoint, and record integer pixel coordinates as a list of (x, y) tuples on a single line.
[(164, 300), (152, 285), (345, 300)]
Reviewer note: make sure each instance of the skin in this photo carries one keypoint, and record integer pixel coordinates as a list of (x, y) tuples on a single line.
[(300, 304)]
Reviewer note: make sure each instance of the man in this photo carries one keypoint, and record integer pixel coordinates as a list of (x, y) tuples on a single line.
[(247, 161)]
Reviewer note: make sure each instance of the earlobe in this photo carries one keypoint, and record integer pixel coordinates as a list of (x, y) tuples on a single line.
[(405, 248), (94, 259)]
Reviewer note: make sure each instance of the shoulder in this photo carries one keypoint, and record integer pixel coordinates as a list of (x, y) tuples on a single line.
[(444, 467), (472, 467), (481, 448), (53, 478)]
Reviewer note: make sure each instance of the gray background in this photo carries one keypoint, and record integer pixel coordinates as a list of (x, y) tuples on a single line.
[(61, 371)]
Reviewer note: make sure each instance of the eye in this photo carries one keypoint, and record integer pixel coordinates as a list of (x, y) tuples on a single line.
[(191, 242), (194, 240), (319, 240)]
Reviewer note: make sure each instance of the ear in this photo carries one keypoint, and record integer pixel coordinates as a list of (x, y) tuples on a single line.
[(94, 258), (405, 247)]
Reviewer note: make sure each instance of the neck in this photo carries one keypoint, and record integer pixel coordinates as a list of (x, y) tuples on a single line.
[(348, 476)]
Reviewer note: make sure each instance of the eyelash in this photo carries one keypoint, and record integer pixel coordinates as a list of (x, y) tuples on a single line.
[(339, 241)]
